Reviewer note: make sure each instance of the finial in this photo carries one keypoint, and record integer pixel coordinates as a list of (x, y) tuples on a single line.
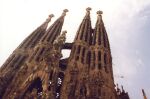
[(99, 17), (64, 12), (64, 32), (51, 15), (88, 10), (49, 18), (99, 12)]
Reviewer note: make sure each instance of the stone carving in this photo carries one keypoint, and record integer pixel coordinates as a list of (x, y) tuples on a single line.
[(60, 41), (84, 76)]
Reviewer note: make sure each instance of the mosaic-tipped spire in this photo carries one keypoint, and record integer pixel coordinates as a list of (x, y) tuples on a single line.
[(100, 40), (48, 38), (49, 18), (84, 31), (55, 29), (64, 12), (20, 55), (36, 35), (88, 9), (84, 35)]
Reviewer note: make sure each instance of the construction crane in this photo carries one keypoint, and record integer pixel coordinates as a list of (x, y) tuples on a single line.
[(144, 95)]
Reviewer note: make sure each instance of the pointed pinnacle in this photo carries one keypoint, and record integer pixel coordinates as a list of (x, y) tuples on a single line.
[(88, 9), (64, 32), (49, 18), (99, 12), (64, 12), (51, 15), (99, 17)]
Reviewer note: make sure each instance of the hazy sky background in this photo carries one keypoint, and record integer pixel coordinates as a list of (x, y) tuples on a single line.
[(127, 23)]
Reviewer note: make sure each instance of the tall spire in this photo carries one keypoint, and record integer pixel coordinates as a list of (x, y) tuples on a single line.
[(84, 31), (83, 39), (48, 38), (20, 55), (55, 29), (34, 38), (101, 46), (47, 71), (100, 34)]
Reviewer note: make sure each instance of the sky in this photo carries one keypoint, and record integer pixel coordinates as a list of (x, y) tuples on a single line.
[(127, 23)]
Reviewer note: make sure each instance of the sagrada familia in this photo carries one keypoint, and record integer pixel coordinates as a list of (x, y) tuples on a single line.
[(36, 70)]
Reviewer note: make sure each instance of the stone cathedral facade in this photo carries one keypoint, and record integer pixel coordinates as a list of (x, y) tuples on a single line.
[(36, 70)]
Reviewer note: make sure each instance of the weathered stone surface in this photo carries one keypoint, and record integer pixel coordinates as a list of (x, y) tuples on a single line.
[(39, 72)]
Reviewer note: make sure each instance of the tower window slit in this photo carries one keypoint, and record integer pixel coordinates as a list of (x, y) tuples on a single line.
[(83, 54), (99, 66), (89, 58), (78, 52), (94, 58), (99, 56), (79, 47), (83, 90), (90, 37), (50, 76), (99, 38), (86, 37), (104, 38), (105, 58), (105, 61), (94, 38)]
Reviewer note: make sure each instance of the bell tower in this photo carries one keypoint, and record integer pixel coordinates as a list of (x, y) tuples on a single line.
[(89, 74), (38, 76)]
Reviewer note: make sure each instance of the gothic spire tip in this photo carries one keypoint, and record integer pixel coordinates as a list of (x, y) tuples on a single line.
[(51, 15), (99, 12), (64, 32), (88, 9), (64, 12), (49, 18)]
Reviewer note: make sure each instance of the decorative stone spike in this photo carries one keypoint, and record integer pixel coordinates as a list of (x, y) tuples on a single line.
[(64, 12), (49, 18), (99, 12), (88, 9), (99, 17)]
